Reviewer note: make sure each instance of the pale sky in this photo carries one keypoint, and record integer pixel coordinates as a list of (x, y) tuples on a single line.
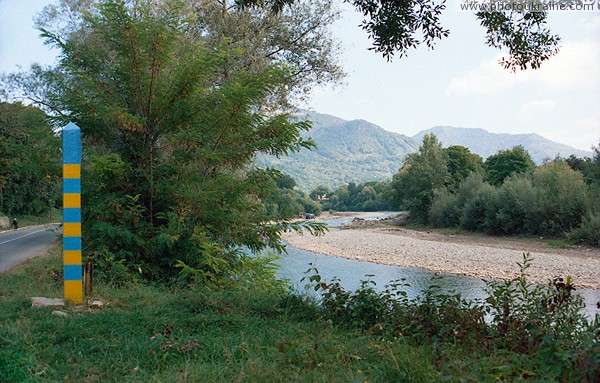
[(459, 83)]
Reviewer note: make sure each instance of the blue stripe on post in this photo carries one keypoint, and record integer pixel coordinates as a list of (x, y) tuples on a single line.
[(71, 144), (72, 272), (72, 214), (72, 243), (71, 185)]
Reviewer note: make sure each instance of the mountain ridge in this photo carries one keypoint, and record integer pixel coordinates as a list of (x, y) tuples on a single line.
[(360, 151)]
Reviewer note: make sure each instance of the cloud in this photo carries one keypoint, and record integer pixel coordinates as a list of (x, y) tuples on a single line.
[(574, 67), (488, 78), (534, 108), (581, 133)]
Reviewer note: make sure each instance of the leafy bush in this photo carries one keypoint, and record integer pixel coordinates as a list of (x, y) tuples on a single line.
[(480, 213), (563, 197), (589, 231), (518, 205), (445, 210), (543, 323)]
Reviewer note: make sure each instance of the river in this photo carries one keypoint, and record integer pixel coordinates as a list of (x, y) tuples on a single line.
[(293, 266)]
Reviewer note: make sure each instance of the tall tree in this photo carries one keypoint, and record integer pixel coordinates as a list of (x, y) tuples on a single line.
[(423, 172), (298, 36), (29, 161), (395, 27), (461, 163), (506, 162), (170, 180)]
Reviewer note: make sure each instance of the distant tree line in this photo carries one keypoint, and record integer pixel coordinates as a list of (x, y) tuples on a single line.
[(506, 194)]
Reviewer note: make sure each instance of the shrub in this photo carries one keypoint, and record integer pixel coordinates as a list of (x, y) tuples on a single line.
[(518, 206), (479, 213), (563, 197), (541, 326), (445, 210), (589, 231)]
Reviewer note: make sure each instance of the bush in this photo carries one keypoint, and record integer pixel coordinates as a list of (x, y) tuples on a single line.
[(518, 210), (540, 326), (479, 214), (563, 197), (445, 210), (589, 231)]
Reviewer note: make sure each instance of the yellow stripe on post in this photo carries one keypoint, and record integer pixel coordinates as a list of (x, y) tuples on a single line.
[(71, 200), (72, 229), (72, 257), (74, 291), (71, 171)]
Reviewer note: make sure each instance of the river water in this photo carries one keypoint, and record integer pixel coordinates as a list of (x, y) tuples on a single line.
[(293, 266)]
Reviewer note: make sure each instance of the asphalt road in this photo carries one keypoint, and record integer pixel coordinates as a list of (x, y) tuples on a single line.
[(17, 246)]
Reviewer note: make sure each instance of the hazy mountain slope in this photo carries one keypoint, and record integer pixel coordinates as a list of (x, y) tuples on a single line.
[(484, 143), (348, 151), (359, 151)]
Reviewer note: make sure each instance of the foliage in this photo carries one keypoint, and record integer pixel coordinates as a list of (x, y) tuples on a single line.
[(445, 210), (423, 172), (285, 202), (563, 197), (523, 33), (589, 231), (298, 37), (171, 127), (461, 163), (505, 162), (550, 201), (29, 161), (541, 322), (397, 27), (352, 197)]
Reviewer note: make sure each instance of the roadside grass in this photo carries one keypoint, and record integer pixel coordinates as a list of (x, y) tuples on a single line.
[(159, 333), (31, 220)]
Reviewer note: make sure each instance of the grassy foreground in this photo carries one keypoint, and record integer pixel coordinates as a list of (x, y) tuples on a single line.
[(151, 333)]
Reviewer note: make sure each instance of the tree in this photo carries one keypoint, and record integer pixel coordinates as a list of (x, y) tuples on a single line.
[(29, 161), (398, 26), (506, 162), (285, 181), (169, 178), (297, 36), (423, 172), (461, 163)]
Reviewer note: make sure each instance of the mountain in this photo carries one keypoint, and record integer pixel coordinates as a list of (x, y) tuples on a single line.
[(359, 151), (347, 151), (485, 144)]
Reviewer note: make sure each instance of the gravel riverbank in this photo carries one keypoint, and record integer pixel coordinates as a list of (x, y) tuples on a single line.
[(478, 256)]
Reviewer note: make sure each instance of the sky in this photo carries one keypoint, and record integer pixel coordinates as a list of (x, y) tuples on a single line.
[(459, 83)]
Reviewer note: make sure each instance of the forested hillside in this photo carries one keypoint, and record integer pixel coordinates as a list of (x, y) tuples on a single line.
[(347, 151), (359, 151)]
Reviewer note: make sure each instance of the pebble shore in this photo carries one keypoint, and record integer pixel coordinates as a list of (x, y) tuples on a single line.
[(453, 254)]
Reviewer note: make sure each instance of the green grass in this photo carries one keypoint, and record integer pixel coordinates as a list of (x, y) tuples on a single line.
[(154, 333), (560, 244)]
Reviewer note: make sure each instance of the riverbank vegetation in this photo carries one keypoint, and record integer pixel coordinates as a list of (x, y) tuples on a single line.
[(258, 330), (507, 194)]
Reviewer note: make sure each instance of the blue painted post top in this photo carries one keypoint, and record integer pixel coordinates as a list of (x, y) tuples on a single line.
[(71, 137)]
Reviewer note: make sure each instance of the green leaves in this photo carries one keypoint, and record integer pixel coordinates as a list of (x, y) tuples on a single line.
[(394, 26)]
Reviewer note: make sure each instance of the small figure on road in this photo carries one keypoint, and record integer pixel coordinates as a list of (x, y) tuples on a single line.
[(15, 224)]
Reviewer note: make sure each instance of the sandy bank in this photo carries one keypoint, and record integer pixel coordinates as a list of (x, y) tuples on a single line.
[(465, 255)]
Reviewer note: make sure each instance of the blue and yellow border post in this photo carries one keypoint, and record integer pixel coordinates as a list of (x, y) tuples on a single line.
[(73, 280)]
